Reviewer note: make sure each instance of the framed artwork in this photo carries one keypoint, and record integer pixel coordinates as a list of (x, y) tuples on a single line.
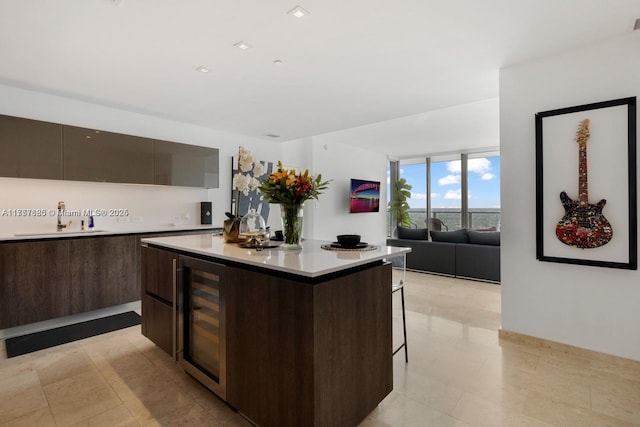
[(586, 203), (253, 200)]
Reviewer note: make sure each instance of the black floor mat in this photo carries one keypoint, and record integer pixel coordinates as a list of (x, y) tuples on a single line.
[(24, 344)]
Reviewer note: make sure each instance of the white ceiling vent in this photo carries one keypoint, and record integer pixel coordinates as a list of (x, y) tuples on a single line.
[(272, 135)]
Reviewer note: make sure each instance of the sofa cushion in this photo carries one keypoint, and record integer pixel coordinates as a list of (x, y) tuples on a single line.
[(434, 257), (484, 237), (412, 233), (458, 236), (478, 261)]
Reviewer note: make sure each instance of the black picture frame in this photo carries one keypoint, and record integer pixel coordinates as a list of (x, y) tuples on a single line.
[(612, 146)]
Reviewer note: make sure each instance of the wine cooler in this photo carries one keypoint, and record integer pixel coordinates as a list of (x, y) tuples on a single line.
[(201, 322)]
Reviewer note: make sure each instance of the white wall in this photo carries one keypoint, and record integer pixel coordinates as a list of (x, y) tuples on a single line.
[(341, 162), (329, 216), (589, 307), (156, 206)]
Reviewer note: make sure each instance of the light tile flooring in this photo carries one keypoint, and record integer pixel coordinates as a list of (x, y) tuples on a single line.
[(459, 374)]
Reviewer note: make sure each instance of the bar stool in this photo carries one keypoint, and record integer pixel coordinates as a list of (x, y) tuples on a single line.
[(395, 288)]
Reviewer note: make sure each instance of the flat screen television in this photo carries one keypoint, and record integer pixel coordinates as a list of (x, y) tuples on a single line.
[(365, 196)]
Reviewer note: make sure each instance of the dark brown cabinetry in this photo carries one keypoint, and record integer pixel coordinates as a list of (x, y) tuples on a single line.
[(308, 355), (37, 149), (104, 271), (158, 282), (35, 283), (94, 155), (55, 278), (47, 279), (185, 165), (30, 148)]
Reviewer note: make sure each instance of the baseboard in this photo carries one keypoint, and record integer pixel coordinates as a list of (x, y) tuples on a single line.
[(541, 343)]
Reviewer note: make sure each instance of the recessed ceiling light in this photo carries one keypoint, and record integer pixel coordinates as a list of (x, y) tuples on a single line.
[(637, 25), (242, 45), (298, 12), (278, 62), (203, 69)]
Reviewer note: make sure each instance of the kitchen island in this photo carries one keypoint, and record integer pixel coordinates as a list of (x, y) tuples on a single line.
[(304, 336)]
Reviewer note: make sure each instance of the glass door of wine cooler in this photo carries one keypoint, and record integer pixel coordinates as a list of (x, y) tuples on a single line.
[(201, 323)]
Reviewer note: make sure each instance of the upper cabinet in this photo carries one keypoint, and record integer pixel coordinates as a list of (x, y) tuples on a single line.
[(30, 148), (94, 155), (185, 165), (36, 149)]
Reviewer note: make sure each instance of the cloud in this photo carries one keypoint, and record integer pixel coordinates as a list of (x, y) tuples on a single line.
[(454, 166), (449, 179), (487, 176), (419, 196), (454, 194), (435, 195), (481, 166)]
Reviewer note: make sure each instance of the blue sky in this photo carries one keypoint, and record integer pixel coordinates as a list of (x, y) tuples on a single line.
[(484, 183)]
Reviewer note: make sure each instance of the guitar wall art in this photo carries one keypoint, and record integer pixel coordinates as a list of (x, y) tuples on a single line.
[(571, 228), (583, 225)]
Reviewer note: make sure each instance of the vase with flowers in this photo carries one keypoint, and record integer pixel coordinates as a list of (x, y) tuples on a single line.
[(291, 189), (244, 181)]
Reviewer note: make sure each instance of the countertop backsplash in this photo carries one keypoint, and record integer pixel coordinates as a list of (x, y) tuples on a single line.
[(30, 206)]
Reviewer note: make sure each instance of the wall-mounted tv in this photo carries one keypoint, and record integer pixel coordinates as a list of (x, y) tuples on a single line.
[(365, 196)]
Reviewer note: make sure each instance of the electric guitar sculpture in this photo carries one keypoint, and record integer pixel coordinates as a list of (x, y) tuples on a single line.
[(583, 225)]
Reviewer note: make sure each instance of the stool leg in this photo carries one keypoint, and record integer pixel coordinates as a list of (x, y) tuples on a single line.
[(404, 327)]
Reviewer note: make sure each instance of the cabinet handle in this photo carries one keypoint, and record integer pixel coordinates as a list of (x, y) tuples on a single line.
[(175, 309)]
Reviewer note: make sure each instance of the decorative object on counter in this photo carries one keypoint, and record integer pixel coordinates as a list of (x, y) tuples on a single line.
[(231, 228), (291, 218), (291, 189), (347, 240), (206, 213), (245, 180), (335, 246), (253, 230)]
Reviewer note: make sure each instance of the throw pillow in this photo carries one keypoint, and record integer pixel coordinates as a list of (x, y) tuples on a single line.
[(458, 236), (484, 237), (412, 233)]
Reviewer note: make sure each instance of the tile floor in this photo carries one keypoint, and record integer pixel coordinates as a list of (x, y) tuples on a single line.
[(459, 374)]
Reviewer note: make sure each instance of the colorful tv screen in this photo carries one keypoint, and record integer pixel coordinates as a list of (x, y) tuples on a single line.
[(365, 196)]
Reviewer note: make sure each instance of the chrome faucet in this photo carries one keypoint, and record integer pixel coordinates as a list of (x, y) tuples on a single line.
[(61, 209)]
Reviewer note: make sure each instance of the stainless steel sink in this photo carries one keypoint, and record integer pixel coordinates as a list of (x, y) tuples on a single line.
[(60, 233)]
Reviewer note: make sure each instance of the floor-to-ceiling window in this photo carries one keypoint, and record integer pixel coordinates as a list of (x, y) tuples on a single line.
[(453, 191), (446, 193), (483, 191)]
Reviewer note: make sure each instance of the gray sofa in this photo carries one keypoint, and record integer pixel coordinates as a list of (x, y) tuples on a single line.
[(461, 253)]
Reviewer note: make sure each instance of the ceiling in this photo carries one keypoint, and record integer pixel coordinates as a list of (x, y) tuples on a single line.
[(346, 64)]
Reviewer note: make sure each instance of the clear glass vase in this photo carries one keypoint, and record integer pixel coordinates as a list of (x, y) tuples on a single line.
[(291, 216)]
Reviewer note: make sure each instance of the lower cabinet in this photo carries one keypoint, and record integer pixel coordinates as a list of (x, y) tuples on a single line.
[(157, 322), (158, 281), (51, 278), (47, 279)]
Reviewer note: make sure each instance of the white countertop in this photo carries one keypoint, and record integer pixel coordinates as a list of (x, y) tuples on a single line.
[(310, 261), (52, 234)]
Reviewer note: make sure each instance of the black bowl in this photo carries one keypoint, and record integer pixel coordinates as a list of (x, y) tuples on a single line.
[(348, 240)]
